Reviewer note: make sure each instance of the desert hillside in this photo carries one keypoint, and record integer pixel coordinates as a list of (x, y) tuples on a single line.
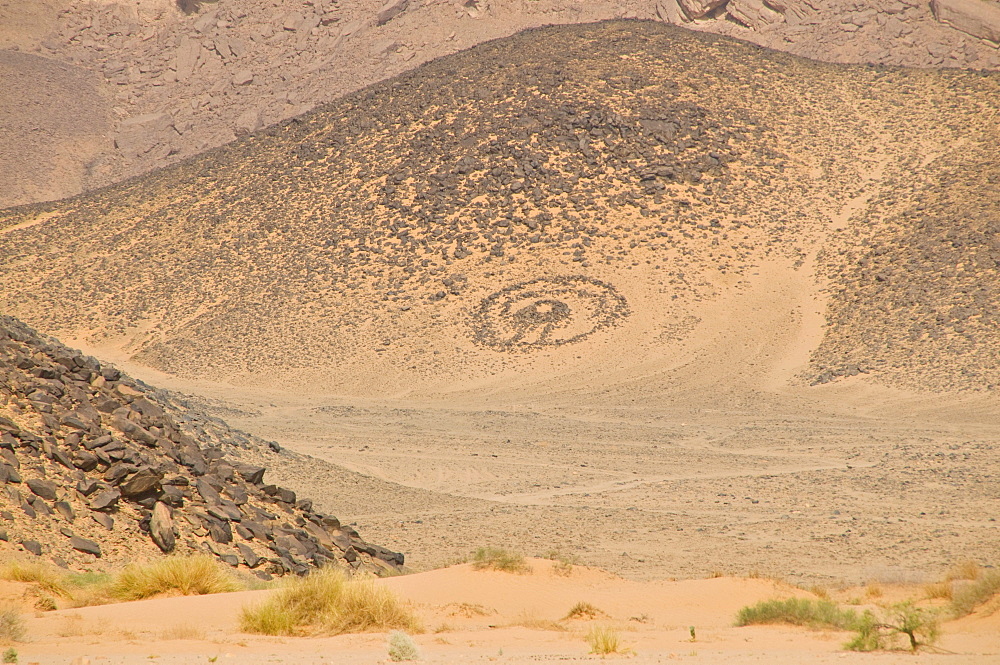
[(157, 81), (486, 215), (733, 309), (99, 470)]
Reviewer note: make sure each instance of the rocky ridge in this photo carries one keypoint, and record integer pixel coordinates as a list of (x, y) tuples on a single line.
[(98, 469), (179, 82)]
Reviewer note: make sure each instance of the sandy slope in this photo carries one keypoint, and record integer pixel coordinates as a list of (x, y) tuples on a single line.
[(473, 616)]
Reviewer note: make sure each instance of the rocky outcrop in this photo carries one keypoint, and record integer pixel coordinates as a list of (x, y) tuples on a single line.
[(96, 470), (979, 18)]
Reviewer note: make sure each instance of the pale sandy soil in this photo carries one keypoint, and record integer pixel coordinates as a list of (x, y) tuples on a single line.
[(488, 617)]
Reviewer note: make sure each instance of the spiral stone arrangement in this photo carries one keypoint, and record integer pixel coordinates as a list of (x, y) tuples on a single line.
[(546, 312)]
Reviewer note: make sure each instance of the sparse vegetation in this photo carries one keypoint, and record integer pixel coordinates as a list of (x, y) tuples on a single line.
[(495, 558), (402, 647), (10, 655), (604, 640), (815, 613), (584, 611), (527, 620), (188, 575), (918, 626), (562, 563), (11, 624), (45, 576), (327, 602), (971, 594)]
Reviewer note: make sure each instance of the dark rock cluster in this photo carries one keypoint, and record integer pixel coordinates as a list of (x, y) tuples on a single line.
[(96, 466)]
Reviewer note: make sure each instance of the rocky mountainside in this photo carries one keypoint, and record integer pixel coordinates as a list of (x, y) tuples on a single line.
[(176, 78), (560, 195), (98, 469)]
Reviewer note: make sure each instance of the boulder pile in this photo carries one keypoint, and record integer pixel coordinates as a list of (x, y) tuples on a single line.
[(97, 469)]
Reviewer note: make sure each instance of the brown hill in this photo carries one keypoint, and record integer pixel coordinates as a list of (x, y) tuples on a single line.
[(518, 207), (176, 83), (578, 282), (99, 470)]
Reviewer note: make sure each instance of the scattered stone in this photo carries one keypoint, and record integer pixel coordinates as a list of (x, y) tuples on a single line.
[(979, 18), (43, 488), (390, 10), (161, 528), (85, 545)]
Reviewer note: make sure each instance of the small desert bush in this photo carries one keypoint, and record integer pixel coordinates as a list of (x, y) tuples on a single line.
[(562, 564), (967, 596), (583, 611), (815, 613), (10, 655), (38, 573), (11, 624), (966, 570), (604, 640), (327, 602), (496, 558), (902, 624), (189, 575), (402, 647)]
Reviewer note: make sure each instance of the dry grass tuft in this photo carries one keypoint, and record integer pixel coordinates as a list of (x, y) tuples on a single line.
[(526, 620), (46, 577), (188, 575), (11, 624), (966, 570), (584, 611), (495, 558), (327, 602), (604, 640), (969, 595), (183, 631)]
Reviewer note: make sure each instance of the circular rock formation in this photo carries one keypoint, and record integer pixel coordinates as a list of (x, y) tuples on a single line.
[(549, 311)]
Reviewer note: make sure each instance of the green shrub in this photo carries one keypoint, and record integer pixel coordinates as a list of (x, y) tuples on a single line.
[(815, 613), (904, 623), (499, 559), (10, 655), (327, 602)]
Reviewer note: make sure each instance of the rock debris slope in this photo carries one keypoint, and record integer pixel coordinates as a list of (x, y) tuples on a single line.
[(98, 469), (577, 197)]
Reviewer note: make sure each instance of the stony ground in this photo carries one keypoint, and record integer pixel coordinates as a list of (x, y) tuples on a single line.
[(99, 471)]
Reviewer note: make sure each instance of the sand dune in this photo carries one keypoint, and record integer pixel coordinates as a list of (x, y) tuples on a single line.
[(488, 616)]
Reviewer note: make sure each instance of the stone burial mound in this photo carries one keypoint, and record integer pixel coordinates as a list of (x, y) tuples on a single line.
[(563, 196), (97, 470)]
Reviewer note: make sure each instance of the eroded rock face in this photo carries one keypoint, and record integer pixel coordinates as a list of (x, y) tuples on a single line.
[(979, 18), (95, 471)]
